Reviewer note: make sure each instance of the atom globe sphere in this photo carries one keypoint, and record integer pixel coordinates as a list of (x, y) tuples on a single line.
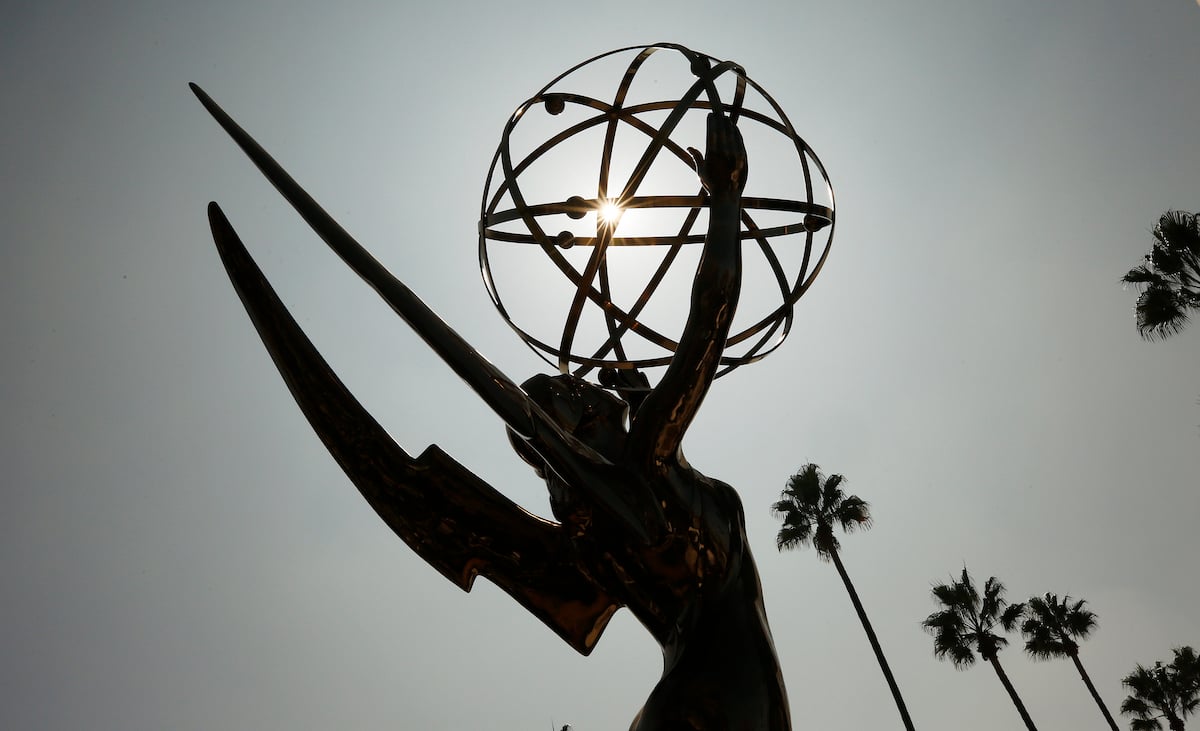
[(593, 217)]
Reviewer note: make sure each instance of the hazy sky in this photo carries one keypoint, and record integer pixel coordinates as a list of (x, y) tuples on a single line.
[(178, 551)]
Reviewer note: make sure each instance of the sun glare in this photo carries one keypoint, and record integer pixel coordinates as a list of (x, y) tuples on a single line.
[(609, 213)]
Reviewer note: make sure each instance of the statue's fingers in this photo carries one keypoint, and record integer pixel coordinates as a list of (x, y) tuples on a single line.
[(716, 132), (719, 122)]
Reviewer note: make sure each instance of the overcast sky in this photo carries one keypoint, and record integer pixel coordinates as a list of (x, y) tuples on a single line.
[(178, 551)]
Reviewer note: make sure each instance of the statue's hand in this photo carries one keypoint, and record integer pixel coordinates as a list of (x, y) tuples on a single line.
[(723, 169)]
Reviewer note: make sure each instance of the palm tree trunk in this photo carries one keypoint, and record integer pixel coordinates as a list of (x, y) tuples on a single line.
[(1012, 693), (1092, 689), (862, 617)]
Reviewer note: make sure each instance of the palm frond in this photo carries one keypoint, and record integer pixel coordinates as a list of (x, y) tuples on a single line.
[(1012, 615), (948, 594), (831, 491), (1077, 621), (1178, 231), (962, 657), (1142, 275), (1160, 312), (854, 513), (805, 485), (967, 594), (793, 536), (1167, 260), (950, 616), (949, 639), (1041, 642), (1145, 682), (1186, 661), (786, 507), (993, 600)]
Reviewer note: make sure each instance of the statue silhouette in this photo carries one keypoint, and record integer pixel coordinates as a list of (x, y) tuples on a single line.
[(636, 526)]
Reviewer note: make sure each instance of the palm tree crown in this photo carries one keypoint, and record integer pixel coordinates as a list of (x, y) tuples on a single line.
[(1169, 278), (1168, 692), (1052, 628), (965, 625), (811, 505)]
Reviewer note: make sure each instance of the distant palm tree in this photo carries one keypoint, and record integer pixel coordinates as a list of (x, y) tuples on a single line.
[(1170, 277), (810, 506), (1170, 692), (1052, 629), (964, 626)]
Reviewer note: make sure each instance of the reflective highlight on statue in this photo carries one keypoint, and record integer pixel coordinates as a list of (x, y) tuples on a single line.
[(635, 525)]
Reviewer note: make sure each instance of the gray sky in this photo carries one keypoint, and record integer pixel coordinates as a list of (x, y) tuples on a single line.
[(178, 551)]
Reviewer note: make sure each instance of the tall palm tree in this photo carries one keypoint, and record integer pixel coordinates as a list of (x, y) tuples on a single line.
[(810, 506), (1053, 628), (1169, 279), (1163, 692), (965, 626)]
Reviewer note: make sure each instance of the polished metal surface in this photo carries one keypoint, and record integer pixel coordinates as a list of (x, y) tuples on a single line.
[(635, 526)]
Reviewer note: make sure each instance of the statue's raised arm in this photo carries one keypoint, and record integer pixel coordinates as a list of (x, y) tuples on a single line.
[(658, 426)]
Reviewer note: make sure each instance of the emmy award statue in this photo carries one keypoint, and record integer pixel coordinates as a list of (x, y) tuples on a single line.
[(634, 524)]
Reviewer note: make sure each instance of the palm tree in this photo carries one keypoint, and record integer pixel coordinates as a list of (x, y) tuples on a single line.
[(1169, 279), (810, 506), (964, 626), (1170, 692), (1052, 629)]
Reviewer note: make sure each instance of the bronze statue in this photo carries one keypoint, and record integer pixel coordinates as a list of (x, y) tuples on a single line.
[(636, 526)]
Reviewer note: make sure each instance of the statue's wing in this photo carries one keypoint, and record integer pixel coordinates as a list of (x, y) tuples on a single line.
[(455, 521), (572, 459), (495, 388)]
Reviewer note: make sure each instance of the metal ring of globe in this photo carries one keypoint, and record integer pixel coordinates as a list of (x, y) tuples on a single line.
[(508, 216)]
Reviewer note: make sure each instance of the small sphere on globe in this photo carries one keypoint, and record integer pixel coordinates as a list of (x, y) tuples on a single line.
[(593, 217)]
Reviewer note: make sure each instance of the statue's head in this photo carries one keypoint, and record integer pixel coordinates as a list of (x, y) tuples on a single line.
[(592, 415)]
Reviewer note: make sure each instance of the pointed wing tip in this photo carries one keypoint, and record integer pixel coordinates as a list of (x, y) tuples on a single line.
[(200, 94), (216, 218), (213, 108), (229, 245)]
